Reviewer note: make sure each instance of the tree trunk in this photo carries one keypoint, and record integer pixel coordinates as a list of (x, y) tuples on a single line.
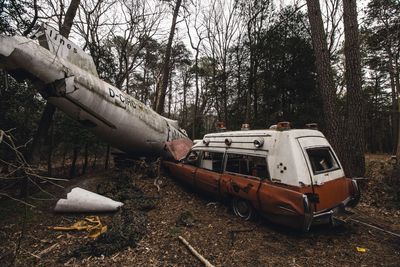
[(250, 86), (354, 161), (107, 162), (75, 154), (397, 79), (44, 125), (50, 151), (161, 91), (69, 18), (395, 106), (63, 160), (325, 76), (94, 160), (170, 95), (225, 94), (196, 100), (49, 110), (86, 159)]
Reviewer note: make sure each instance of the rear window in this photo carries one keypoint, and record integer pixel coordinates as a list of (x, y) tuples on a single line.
[(322, 160)]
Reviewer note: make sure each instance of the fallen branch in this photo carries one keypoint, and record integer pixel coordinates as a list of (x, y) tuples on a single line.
[(200, 257), (375, 227), (20, 169)]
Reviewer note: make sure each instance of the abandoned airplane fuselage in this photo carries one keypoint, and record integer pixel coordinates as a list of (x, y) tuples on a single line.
[(68, 79)]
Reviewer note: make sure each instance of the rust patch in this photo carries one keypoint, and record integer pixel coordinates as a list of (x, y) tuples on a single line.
[(247, 188), (235, 187)]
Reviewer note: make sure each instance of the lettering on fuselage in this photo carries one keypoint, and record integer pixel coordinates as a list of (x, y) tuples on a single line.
[(62, 41), (121, 98), (175, 134)]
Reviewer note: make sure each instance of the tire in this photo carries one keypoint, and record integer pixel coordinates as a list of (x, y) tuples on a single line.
[(243, 209)]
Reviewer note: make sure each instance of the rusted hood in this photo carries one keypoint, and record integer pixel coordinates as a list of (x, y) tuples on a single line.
[(179, 147)]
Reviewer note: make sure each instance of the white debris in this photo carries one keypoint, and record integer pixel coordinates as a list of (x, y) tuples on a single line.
[(81, 200)]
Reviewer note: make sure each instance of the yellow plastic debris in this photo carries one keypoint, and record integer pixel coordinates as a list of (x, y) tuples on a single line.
[(362, 250), (91, 224)]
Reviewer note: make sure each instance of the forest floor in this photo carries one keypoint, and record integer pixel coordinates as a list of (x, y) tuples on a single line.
[(145, 232)]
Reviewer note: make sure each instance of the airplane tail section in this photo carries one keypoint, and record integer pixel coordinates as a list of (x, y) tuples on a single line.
[(51, 39)]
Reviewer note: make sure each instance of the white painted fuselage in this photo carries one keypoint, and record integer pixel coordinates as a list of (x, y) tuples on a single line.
[(118, 118)]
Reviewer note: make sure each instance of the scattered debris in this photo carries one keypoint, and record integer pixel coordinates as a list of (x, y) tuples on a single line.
[(127, 228), (214, 204), (362, 250), (232, 233), (91, 224), (81, 200), (185, 219), (121, 187), (47, 250), (200, 257)]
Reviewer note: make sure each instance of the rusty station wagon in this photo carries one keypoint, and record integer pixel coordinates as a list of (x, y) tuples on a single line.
[(290, 176)]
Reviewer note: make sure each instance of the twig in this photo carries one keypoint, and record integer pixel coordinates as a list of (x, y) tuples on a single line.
[(19, 200), (200, 257), (47, 250), (233, 232), (20, 169), (375, 227), (33, 255), (157, 184), (17, 249)]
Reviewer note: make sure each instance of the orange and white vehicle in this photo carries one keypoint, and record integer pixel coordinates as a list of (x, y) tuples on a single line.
[(291, 176)]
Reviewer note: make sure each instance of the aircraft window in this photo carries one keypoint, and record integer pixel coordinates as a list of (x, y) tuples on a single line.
[(322, 160), (247, 165), (212, 161)]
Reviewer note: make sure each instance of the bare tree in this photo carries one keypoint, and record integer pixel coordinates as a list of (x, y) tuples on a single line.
[(198, 27), (49, 110), (222, 22), (254, 14), (163, 84)]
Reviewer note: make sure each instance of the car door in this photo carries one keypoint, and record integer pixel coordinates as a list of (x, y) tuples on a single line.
[(186, 170), (242, 176), (208, 175), (284, 205)]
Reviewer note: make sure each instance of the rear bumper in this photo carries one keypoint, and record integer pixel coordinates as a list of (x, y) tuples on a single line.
[(327, 216)]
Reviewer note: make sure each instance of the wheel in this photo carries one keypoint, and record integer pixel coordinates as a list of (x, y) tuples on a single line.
[(243, 208)]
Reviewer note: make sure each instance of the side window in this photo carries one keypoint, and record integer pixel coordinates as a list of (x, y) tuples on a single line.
[(322, 160), (192, 158), (247, 165), (211, 161)]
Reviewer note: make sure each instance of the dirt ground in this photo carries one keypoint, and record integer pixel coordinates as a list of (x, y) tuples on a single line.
[(145, 232)]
